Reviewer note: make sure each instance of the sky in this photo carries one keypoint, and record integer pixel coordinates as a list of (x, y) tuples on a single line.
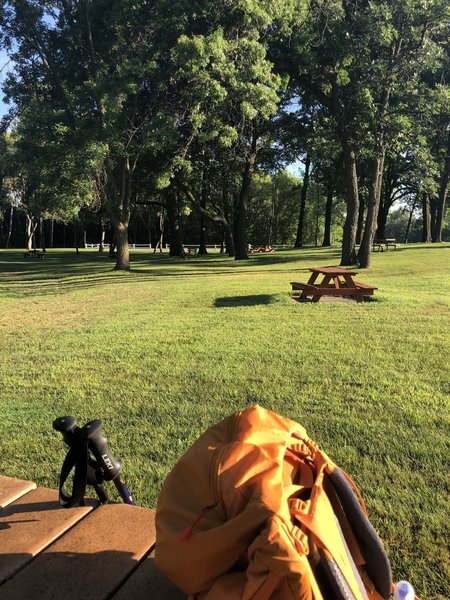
[(5, 65)]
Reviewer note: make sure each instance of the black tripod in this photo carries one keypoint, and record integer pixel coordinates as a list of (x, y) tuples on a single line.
[(92, 460)]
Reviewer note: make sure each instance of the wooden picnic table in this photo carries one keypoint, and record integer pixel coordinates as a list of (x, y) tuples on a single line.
[(87, 553), (336, 281)]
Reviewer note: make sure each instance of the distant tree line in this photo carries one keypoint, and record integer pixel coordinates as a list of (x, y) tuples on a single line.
[(176, 121)]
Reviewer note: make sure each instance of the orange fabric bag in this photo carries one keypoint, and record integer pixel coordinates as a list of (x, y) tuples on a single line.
[(254, 510)]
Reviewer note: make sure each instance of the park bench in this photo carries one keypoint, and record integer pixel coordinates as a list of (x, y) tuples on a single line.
[(191, 250), (381, 244), (91, 552), (33, 254)]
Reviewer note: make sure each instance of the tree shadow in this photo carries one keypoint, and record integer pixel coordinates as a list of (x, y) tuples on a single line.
[(96, 558), (76, 575), (62, 272), (253, 300)]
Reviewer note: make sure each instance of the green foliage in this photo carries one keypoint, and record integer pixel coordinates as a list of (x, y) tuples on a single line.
[(273, 202), (57, 175)]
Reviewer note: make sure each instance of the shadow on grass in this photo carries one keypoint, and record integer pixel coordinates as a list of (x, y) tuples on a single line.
[(233, 301), (63, 271)]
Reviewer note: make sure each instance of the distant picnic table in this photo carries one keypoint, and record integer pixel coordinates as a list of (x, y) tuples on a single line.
[(335, 281), (90, 552)]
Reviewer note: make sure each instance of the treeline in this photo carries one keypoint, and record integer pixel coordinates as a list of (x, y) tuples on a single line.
[(190, 112)]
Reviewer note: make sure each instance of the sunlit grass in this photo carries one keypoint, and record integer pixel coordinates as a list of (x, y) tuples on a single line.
[(164, 351)]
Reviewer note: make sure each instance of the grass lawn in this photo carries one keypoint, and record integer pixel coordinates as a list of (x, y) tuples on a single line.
[(164, 351)]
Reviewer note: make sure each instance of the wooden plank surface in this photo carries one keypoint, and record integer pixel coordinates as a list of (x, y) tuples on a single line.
[(87, 553), (29, 525), (11, 489), (149, 583), (91, 561), (303, 286)]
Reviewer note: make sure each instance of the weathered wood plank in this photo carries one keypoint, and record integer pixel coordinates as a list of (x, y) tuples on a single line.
[(365, 286), (92, 560), (149, 582), (303, 286), (11, 489), (29, 525)]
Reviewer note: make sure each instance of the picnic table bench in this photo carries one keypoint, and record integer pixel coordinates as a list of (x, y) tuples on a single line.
[(383, 243), (90, 552), (33, 254), (337, 282)]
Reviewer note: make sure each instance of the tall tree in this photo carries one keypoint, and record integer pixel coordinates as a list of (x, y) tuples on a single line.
[(357, 61), (99, 70)]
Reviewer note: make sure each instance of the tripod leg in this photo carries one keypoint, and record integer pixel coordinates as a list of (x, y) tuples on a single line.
[(123, 491)]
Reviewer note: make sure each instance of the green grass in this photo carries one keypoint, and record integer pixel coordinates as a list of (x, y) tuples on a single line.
[(166, 350)]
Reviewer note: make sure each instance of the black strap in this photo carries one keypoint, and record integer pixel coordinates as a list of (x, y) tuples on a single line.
[(87, 471)]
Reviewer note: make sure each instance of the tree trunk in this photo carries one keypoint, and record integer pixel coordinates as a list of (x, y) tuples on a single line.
[(240, 218), (442, 198), (42, 234), (101, 245), (229, 240), (112, 245), (159, 243), (202, 234), (360, 226), (316, 236), (376, 172), (123, 250), (30, 231), (76, 241), (426, 218), (408, 226), (304, 192), (348, 256), (202, 225), (373, 203), (173, 217), (227, 217), (388, 185), (382, 220), (117, 202), (8, 238), (272, 227), (328, 213)]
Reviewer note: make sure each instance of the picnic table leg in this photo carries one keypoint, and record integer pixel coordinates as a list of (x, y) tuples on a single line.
[(325, 283), (350, 284), (304, 295), (312, 278)]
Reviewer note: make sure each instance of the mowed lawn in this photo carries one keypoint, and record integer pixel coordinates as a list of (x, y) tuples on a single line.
[(170, 348)]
